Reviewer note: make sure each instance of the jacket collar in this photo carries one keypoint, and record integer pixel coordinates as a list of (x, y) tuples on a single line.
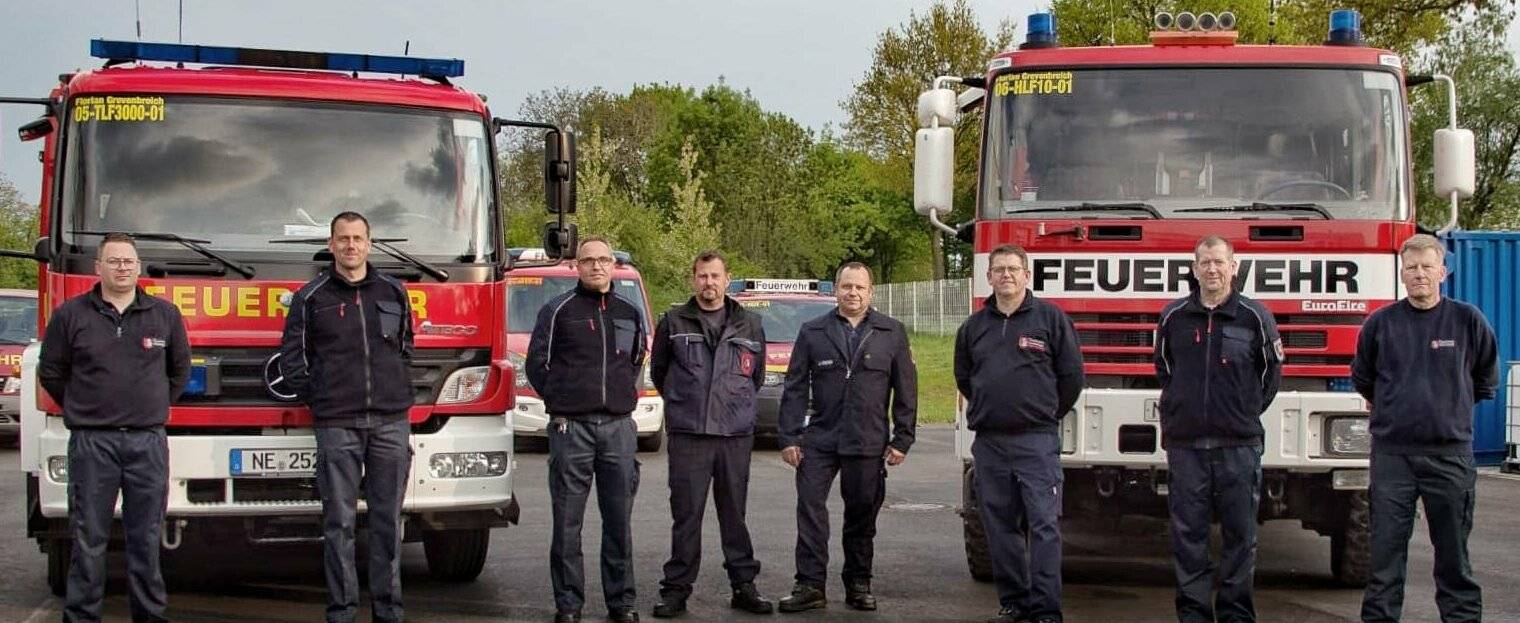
[(370, 274), (1230, 307), (692, 311), (98, 300), (990, 307)]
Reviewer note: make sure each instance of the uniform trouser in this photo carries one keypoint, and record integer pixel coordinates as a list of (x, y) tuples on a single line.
[(1018, 488), (862, 486), (101, 463), (582, 448), (697, 462), (1204, 485), (1447, 485), (379, 460)]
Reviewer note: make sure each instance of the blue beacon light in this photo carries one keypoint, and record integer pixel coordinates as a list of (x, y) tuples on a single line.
[(291, 59), (1345, 28), (1041, 32)]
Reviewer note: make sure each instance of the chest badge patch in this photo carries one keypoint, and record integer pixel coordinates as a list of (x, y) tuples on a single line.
[(746, 363), (1440, 344), (1032, 344), (149, 343)]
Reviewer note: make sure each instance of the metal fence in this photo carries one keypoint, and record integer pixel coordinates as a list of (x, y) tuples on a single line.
[(926, 306), (1512, 383)]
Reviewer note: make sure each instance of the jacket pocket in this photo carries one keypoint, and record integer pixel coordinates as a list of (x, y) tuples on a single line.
[(623, 333), (391, 317)]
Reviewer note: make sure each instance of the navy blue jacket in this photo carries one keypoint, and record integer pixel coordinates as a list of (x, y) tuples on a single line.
[(110, 369), (708, 391), (1219, 371), (850, 393), (1021, 372), (347, 349), (586, 354), (1422, 370)]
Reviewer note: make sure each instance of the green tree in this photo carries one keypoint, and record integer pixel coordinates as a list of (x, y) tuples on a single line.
[(945, 40), (1487, 79), (18, 232)]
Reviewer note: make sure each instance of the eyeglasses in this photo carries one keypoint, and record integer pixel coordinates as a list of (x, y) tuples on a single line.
[(120, 262), (1006, 270), (599, 261)]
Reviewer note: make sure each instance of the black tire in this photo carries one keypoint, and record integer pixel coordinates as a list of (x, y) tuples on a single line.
[(1351, 547), (978, 553), (58, 553), (456, 555), (652, 441)]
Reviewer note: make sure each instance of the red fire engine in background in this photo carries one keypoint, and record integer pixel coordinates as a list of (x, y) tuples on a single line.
[(1107, 164)]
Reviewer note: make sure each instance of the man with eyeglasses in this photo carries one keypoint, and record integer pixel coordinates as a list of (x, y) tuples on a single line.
[(1422, 363), (584, 359), (115, 358), (1018, 362), (346, 353), (1218, 360)]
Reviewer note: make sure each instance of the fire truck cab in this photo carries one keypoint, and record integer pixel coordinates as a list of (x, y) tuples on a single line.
[(1108, 164), (226, 165)]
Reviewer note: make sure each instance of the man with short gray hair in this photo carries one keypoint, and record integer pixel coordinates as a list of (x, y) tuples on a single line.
[(1422, 363)]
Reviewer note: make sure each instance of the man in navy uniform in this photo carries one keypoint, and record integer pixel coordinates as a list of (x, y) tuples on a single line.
[(1018, 362), (708, 361), (1422, 363), (1219, 362), (115, 358), (346, 353), (848, 367)]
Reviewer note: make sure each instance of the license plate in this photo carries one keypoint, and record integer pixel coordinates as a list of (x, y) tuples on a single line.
[(273, 461)]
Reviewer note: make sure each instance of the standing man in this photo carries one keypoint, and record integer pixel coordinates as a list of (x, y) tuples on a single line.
[(848, 368), (115, 358), (1219, 362), (1018, 362), (1422, 363), (347, 354), (584, 358), (708, 361)]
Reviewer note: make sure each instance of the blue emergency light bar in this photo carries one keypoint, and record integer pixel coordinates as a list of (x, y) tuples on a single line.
[(1345, 27), (287, 59)]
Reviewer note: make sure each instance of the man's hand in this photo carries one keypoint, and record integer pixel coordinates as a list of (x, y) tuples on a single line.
[(893, 457), (792, 455)]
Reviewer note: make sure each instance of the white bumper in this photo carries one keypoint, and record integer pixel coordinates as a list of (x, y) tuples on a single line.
[(1294, 423), (530, 420), (194, 457)]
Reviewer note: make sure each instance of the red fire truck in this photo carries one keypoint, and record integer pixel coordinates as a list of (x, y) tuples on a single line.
[(227, 164), (1107, 164)]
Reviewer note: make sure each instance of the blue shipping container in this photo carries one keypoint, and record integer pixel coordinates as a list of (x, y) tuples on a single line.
[(1485, 266)]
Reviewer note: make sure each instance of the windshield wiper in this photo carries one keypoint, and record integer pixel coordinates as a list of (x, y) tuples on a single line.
[(1097, 207), (194, 244), (384, 244), (1267, 207)]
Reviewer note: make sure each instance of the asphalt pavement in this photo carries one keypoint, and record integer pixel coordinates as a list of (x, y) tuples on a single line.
[(1111, 574)]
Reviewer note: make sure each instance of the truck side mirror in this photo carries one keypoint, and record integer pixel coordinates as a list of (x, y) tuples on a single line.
[(559, 172), (560, 240), (934, 154), (1455, 163)]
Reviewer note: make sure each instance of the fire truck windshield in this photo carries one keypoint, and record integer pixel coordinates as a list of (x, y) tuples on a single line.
[(1187, 138), (240, 172)]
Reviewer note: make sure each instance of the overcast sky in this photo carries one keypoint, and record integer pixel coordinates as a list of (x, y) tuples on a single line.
[(798, 57)]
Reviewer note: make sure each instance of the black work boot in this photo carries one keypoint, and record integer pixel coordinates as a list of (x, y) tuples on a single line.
[(748, 599), (567, 616), (803, 598), (1008, 615), (857, 595), (623, 615), (671, 605)]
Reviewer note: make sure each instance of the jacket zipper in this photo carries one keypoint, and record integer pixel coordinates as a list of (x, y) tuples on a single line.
[(604, 337), (364, 339), (855, 356), (1208, 361)]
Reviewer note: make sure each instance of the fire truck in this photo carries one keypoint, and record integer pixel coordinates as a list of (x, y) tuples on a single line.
[(226, 165), (1107, 164)]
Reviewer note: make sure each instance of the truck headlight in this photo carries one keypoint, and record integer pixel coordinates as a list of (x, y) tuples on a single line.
[(58, 468), (773, 379), (12, 385), (464, 385), (468, 464), (1348, 435)]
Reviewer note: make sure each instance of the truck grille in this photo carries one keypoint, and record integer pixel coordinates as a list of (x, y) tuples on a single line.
[(242, 374), (1114, 338)]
